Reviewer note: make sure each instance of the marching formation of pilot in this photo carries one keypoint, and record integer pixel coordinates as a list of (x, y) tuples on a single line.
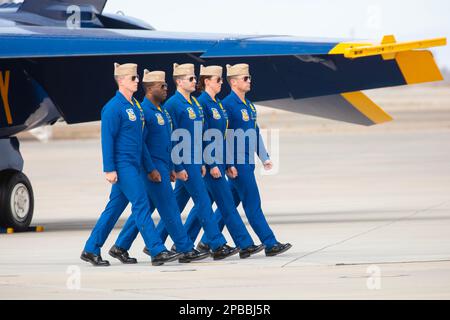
[(194, 142)]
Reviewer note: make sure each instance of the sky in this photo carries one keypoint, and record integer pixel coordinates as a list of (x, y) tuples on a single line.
[(360, 19)]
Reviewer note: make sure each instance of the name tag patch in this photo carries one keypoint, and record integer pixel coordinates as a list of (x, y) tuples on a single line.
[(245, 116), (160, 119), (191, 113), (216, 114), (131, 115)]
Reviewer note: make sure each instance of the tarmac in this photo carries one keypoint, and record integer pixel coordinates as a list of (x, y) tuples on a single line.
[(367, 212)]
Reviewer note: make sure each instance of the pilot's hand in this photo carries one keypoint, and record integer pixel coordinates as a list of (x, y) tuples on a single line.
[(232, 172), (268, 165), (154, 176), (215, 172), (173, 176), (203, 171), (182, 175), (111, 177)]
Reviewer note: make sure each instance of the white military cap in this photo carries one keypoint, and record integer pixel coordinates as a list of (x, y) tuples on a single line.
[(154, 76), (241, 69), (183, 69), (211, 71), (127, 69)]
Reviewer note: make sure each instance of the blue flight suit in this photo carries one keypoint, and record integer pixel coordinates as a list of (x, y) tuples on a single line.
[(122, 131), (161, 196), (192, 226), (242, 115), (188, 115), (219, 191)]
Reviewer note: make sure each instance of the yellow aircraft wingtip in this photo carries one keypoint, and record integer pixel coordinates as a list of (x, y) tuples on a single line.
[(418, 67)]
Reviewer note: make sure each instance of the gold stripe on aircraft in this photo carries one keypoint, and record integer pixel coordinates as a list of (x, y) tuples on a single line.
[(4, 89)]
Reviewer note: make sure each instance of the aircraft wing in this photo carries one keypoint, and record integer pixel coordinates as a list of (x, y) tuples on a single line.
[(72, 69)]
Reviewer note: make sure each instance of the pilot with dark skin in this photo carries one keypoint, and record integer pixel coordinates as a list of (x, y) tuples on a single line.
[(187, 116)]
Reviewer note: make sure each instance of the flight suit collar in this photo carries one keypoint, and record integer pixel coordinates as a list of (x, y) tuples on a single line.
[(182, 98), (122, 98), (237, 99), (150, 104), (206, 95)]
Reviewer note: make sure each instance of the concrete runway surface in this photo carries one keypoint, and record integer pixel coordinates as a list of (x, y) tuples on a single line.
[(367, 212)]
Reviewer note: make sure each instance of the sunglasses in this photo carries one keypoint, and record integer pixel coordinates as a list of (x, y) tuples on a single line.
[(164, 86), (134, 78), (246, 78), (191, 79)]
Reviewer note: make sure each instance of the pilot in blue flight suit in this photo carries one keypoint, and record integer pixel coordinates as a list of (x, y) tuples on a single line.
[(158, 186), (122, 132), (188, 120), (242, 115), (217, 123)]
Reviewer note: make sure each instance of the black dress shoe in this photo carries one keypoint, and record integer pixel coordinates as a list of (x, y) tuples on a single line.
[(224, 251), (165, 256), (203, 247), (173, 248), (247, 252), (278, 249), (122, 255), (96, 260), (193, 255)]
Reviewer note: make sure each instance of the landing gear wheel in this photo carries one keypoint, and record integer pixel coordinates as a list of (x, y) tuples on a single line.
[(16, 200)]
